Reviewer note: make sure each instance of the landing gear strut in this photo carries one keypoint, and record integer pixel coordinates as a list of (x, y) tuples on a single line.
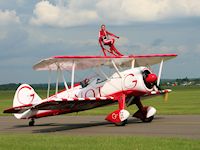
[(119, 117), (145, 113), (31, 122)]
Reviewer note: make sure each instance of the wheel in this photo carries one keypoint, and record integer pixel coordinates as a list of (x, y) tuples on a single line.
[(32, 122), (123, 123), (148, 119)]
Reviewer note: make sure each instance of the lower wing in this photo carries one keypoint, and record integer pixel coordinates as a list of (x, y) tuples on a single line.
[(67, 105)]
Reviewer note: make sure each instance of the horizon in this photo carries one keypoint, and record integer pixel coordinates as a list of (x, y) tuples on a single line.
[(44, 83)]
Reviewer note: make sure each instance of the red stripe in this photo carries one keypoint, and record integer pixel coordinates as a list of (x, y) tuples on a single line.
[(64, 99), (75, 99), (87, 98)]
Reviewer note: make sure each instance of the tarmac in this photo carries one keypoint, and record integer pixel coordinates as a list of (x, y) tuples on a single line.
[(183, 126)]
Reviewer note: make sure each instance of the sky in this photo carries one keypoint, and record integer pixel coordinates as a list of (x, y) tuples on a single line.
[(34, 30)]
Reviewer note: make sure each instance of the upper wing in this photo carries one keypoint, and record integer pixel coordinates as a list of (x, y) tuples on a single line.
[(152, 59), (85, 62)]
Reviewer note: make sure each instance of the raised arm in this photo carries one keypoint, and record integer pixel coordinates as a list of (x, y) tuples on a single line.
[(111, 34)]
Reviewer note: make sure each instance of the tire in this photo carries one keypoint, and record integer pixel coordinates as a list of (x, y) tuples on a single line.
[(123, 123), (31, 123), (148, 119)]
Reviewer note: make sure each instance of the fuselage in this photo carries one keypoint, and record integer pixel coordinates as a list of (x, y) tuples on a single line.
[(128, 82)]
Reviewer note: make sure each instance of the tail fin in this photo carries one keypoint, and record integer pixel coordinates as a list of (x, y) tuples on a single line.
[(25, 95)]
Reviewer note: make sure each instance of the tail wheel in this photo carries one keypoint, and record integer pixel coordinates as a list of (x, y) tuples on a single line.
[(31, 122)]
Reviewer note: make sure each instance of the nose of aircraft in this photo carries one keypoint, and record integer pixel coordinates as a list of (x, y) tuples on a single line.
[(151, 78)]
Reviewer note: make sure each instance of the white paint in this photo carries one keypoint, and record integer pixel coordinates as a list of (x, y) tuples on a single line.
[(160, 71), (151, 111), (123, 114), (25, 95)]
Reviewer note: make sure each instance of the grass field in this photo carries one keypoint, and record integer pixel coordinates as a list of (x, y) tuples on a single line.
[(182, 100), (53, 141)]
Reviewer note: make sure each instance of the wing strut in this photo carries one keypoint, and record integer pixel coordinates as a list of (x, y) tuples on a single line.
[(133, 63), (116, 68), (72, 79), (57, 80), (49, 82), (65, 83), (159, 73)]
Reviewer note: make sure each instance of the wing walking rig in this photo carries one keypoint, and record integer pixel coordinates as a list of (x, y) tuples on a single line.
[(125, 87)]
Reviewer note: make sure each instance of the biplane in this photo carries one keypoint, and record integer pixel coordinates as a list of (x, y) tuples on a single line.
[(131, 81)]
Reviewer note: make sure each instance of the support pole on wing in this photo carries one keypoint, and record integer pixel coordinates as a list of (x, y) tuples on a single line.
[(159, 73), (65, 83), (72, 79), (57, 80), (116, 68), (49, 82), (133, 63)]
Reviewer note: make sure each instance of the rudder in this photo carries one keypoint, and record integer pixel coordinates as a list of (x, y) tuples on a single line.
[(25, 95)]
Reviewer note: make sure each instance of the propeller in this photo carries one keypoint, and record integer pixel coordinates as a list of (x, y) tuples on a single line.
[(151, 80), (166, 96)]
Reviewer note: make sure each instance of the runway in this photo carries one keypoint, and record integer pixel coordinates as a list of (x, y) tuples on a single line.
[(163, 125)]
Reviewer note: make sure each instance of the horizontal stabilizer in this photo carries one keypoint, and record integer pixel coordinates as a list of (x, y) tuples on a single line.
[(19, 109)]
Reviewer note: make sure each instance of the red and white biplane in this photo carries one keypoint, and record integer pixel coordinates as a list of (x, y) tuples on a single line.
[(131, 81)]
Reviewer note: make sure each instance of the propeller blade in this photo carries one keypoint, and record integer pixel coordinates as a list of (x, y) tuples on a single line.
[(166, 96)]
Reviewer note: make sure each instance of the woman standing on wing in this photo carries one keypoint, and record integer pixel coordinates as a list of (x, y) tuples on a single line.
[(105, 39)]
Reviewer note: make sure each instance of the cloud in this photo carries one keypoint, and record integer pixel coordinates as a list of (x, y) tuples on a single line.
[(126, 11), (61, 16), (8, 16), (79, 12)]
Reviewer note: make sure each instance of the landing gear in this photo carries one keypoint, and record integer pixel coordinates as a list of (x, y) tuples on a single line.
[(145, 114), (119, 117), (31, 122)]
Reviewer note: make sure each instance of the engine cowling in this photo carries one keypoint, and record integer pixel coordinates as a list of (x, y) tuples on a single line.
[(149, 78)]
